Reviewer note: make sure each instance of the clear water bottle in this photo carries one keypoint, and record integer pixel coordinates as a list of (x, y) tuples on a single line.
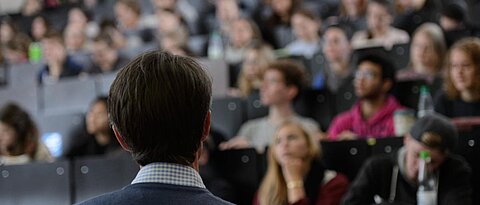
[(425, 103), (215, 46), (427, 182)]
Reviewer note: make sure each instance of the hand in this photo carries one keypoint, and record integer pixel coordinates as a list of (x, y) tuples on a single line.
[(347, 135), (293, 169), (235, 143)]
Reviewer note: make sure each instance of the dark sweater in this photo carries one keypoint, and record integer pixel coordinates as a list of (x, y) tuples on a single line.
[(375, 178), (157, 193), (455, 107)]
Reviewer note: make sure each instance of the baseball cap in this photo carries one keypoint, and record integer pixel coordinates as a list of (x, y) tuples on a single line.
[(439, 125)]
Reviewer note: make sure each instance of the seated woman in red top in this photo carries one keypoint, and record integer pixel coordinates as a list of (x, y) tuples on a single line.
[(295, 174)]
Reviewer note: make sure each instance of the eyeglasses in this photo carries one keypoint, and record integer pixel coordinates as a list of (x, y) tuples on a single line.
[(368, 75)]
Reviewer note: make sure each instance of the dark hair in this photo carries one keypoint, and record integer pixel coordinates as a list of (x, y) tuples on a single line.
[(54, 35), (379, 58), (25, 129), (104, 38), (158, 103), (132, 4), (387, 4), (293, 73)]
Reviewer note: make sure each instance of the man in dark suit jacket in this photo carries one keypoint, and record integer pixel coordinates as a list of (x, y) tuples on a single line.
[(159, 111)]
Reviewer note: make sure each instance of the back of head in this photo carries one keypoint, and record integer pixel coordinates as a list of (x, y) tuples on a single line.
[(158, 103), (26, 133)]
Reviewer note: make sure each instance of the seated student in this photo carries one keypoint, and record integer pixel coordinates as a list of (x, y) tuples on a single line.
[(58, 63), (427, 51), (393, 178), (460, 98), (295, 174), (306, 28), (372, 114), (105, 57), (19, 141), (100, 138), (282, 82), (337, 70), (257, 58), (379, 32)]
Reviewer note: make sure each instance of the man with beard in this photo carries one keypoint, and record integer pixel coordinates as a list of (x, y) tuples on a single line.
[(372, 114)]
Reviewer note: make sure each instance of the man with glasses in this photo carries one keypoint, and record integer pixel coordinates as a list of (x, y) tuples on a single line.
[(372, 114)]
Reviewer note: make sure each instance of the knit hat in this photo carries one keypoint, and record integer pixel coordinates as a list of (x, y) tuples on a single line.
[(455, 12), (439, 125)]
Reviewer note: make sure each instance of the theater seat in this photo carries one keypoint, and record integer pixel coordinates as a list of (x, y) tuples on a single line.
[(345, 157), (35, 184)]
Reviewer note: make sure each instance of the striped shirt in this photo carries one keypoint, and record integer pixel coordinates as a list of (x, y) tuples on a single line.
[(169, 173)]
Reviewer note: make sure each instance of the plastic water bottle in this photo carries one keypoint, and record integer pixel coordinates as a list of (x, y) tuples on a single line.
[(35, 53), (215, 46), (427, 182), (425, 103)]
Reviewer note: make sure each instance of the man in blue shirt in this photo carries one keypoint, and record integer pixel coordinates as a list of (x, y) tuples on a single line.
[(159, 111)]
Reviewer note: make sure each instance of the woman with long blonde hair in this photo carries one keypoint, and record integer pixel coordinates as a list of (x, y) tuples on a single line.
[(295, 174)]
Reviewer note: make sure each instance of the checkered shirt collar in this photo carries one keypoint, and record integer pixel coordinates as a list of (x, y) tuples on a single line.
[(169, 173)]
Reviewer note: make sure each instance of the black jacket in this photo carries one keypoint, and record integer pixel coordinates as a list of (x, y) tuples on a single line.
[(375, 178)]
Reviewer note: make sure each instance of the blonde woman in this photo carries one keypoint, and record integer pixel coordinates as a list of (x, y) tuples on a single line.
[(427, 51), (257, 58), (295, 175)]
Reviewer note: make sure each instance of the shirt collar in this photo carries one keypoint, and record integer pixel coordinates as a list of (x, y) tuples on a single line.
[(169, 173)]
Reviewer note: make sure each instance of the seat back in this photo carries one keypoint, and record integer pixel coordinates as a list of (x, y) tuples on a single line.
[(219, 71), (35, 183), (385, 145), (98, 175), (345, 157), (255, 108), (68, 96), (240, 169), (228, 114)]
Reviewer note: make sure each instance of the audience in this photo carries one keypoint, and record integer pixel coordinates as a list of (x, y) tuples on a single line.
[(101, 36), (393, 179), (427, 51), (105, 57), (337, 69), (351, 15), (460, 98), (58, 63), (19, 138), (372, 114), (282, 82), (295, 174), (379, 30), (306, 28), (99, 139), (242, 35), (257, 58)]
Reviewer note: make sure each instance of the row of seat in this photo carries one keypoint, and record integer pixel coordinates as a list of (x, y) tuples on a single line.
[(64, 182), (67, 182)]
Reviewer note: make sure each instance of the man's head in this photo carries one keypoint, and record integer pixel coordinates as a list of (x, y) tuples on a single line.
[(282, 81), (375, 76), (159, 108), (433, 133)]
